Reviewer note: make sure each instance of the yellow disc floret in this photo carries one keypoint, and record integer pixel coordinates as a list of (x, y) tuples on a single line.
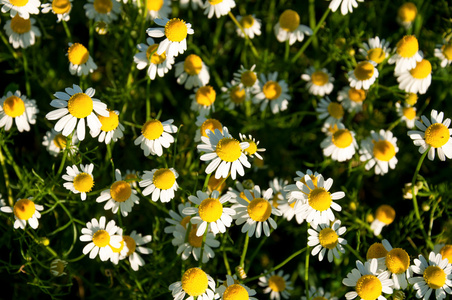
[(397, 261), (193, 64), (237, 95), (407, 12), (356, 96), (319, 78), (409, 113), (211, 124), (342, 138), (18, 3), (120, 191), (335, 110), (369, 287), (154, 5), (24, 209), (259, 209), (151, 54), (164, 179), (152, 129), (13, 106), (446, 252), (320, 199), (434, 277), (376, 250), (407, 46), (78, 54), (272, 90), (176, 30), (447, 51), (364, 70), (276, 283), (384, 150), (83, 182), (215, 2), (20, 25), (247, 21), (235, 292), (248, 78), (422, 69), (328, 238), (61, 6), (210, 209), (437, 135), (130, 243), (194, 282), (103, 6), (252, 148), (80, 105), (109, 123), (118, 250), (205, 95), (193, 239), (60, 141), (228, 149), (289, 20), (411, 99), (101, 238), (385, 214), (376, 55)]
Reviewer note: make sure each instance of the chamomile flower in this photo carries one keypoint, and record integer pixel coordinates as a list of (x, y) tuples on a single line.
[(225, 153), (158, 9), (61, 8), (289, 27), (411, 99), (247, 78), (277, 285), (79, 182), (194, 244), (407, 114), (102, 10), (288, 210), (155, 135), (325, 237), (333, 112), (397, 261), (251, 26), (101, 238), (319, 292), (178, 217), (80, 62), (158, 64), (18, 108), (206, 124), (444, 54), (341, 145), (433, 136), (192, 72), (295, 195), (384, 216), (21, 7), (25, 210), (378, 251), (407, 54), (210, 213), (436, 275), (203, 100), (255, 212), (272, 92), (363, 76), (132, 177), (218, 7), (379, 150), (196, 283), (319, 82), (57, 267), (239, 191), (134, 243), (55, 142), (346, 5), (278, 186), (406, 14), (231, 289), (375, 50), (73, 106), (252, 149), (175, 32), (119, 253), (416, 80), (161, 183), (444, 250), (111, 129), (351, 99), (234, 94), (120, 196), (367, 282), (21, 32)]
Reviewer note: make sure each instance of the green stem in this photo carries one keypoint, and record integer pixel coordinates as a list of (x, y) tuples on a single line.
[(245, 248), (287, 50), (66, 29), (349, 248), (5, 41), (12, 162), (65, 154), (256, 54), (202, 246), (37, 241), (306, 266), (148, 99), (206, 182), (91, 38), (6, 176), (27, 79), (312, 22)]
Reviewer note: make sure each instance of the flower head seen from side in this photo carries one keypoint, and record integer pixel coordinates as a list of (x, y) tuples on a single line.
[(416, 80), (319, 82), (433, 135), (397, 262), (57, 267), (234, 95), (80, 62), (289, 27), (196, 283), (248, 79), (155, 135), (194, 244), (445, 250), (134, 243), (363, 76), (102, 10), (192, 72), (61, 8), (277, 285), (352, 99), (21, 32), (55, 143), (218, 7), (111, 129), (378, 251), (319, 294), (16, 107), (25, 210), (252, 149), (325, 237), (406, 14), (251, 26), (231, 289), (444, 54), (225, 153), (346, 5), (407, 54), (375, 50), (407, 114), (23, 8), (159, 64), (161, 183), (158, 9), (379, 150), (203, 100), (79, 182), (384, 216), (205, 125), (272, 92), (341, 145), (177, 218), (436, 276), (332, 112), (72, 108)]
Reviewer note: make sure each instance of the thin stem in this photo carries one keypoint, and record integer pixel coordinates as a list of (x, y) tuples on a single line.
[(27, 79), (206, 182), (6, 176), (287, 50), (202, 245), (65, 154), (245, 249), (12, 162), (91, 37), (37, 241), (246, 36), (148, 99), (5, 41), (66, 29), (349, 248), (312, 22), (306, 266)]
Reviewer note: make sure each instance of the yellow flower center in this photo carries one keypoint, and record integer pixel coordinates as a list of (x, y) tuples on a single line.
[(103, 6), (24, 209), (376, 55), (407, 46), (151, 54), (19, 25), (252, 147), (185, 221), (376, 250), (164, 179), (446, 252), (18, 3), (215, 2), (328, 238), (205, 95), (152, 129), (118, 250), (13, 106), (228, 149), (248, 78), (83, 182), (155, 5), (447, 51), (364, 70), (342, 138), (411, 99), (193, 239), (422, 69), (435, 277), (176, 30), (369, 287), (120, 191), (237, 95), (194, 281), (397, 261), (313, 179), (336, 110), (319, 78), (80, 105), (277, 283), (409, 113), (60, 141), (211, 124), (109, 123), (272, 90), (407, 12), (193, 64), (247, 21), (235, 292), (130, 243), (101, 238), (356, 96), (384, 150), (320, 199), (61, 6), (385, 214), (242, 195), (437, 135), (259, 209), (289, 20), (210, 209)]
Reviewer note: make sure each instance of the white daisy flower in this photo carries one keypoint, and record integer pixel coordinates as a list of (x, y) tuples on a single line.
[(384, 216), (203, 100), (252, 149), (175, 32), (255, 212), (379, 150), (416, 80), (289, 27), (225, 153), (406, 14), (333, 112), (436, 274), (55, 142), (134, 243), (444, 250), (25, 210), (206, 124), (288, 210), (278, 185), (346, 5), (407, 114), (251, 26), (73, 106), (119, 253), (177, 218), (320, 292), (434, 135), (196, 283), (239, 191), (161, 183), (111, 129), (276, 284), (367, 283), (194, 4), (192, 72), (375, 50), (193, 244), (407, 54), (100, 236), (61, 8), (219, 7), (132, 177), (158, 64), (21, 7), (119, 196), (18, 108), (444, 54), (210, 213), (158, 9), (397, 261), (247, 78), (21, 32), (79, 182), (234, 94), (57, 267), (295, 195), (232, 289), (80, 62), (378, 251), (319, 82), (351, 99), (155, 135), (363, 76), (272, 92), (102, 10), (341, 145), (324, 237)]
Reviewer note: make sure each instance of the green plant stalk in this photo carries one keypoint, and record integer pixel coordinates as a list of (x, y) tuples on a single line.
[(349, 248), (202, 245), (286, 51), (245, 249), (5, 41), (91, 37), (225, 256), (12, 162), (66, 29), (50, 250), (6, 176), (148, 99), (312, 24), (206, 182), (256, 54), (65, 154), (306, 266), (27, 78)]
